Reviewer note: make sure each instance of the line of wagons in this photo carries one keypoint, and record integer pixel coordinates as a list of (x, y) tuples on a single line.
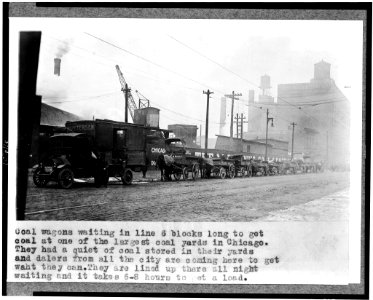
[(178, 165), (104, 148)]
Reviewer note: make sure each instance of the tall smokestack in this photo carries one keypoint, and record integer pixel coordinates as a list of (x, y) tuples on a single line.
[(57, 66)]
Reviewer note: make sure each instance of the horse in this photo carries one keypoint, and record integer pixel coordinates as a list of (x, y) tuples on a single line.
[(162, 166)]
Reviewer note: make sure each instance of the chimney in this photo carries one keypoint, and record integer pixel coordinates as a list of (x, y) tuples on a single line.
[(57, 66)]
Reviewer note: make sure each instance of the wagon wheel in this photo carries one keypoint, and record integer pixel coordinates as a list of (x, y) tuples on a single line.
[(242, 171), (231, 171), (185, 173), (39, 180), (222, 173), (275, 171), (127, 177), (249, 172), (195, 171)]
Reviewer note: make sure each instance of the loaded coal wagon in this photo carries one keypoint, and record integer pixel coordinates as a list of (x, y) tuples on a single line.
[(219, 167), (175, 162), (243, 165)]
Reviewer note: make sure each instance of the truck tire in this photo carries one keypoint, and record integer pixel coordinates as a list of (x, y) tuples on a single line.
[(127, 177), (65, 178)]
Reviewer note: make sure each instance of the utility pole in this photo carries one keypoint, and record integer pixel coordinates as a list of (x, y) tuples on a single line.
[(242, 117), (292, 141), (208, 93), (239, 125), (126, 92), (233, 98), (268, 119)]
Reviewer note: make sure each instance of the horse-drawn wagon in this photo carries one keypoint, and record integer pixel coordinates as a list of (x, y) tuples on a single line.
[(176, 163), (243, 167), (219, 167)]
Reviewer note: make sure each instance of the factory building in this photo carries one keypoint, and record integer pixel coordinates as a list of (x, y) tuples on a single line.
[(277, 150), (319, 109), (323, 124)]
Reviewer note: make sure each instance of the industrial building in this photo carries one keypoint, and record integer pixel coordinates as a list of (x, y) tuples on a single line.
[(276, 150), (319, 110)]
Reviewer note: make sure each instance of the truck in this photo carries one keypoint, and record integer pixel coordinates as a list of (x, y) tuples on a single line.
[(118, 149)]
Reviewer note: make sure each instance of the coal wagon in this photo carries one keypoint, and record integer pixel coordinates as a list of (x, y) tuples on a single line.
[(243, 165), (176, 163)]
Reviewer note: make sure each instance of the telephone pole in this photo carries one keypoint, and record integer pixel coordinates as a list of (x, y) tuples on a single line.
[(242, 117), (268, 119), (292, 141), (239, 125), (208, 93), (233, 98)]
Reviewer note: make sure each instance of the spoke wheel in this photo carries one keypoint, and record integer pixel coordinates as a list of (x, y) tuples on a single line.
[(231, 172), (195, 171), (185, 173), (127, 177), (40, 181), (242, 171), (222, 173), (65, 178)]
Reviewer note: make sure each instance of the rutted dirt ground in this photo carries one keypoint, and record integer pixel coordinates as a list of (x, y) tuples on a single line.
[(208, 200)]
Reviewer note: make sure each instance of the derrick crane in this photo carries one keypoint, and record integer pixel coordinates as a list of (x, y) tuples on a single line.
[(131, 102)]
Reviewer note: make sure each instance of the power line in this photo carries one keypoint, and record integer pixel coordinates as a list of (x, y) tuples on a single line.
[(225, 68), (145, 59), (213, 61)]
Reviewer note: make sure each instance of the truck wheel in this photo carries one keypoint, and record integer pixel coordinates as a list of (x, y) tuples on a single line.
[(65, 178), (39, 181), (127, 177)]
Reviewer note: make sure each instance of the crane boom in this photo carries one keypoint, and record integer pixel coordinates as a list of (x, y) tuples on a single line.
[(131, 102)]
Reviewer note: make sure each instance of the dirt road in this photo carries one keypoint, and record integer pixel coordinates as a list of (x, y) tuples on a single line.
[(215, 200)]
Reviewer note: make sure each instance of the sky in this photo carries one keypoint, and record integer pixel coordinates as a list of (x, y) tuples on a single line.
[(171, 62)]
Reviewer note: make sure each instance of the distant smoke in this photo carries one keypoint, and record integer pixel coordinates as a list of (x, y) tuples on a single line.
[(63, 48)]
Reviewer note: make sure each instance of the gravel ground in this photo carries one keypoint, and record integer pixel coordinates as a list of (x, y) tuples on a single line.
[(214, 200)]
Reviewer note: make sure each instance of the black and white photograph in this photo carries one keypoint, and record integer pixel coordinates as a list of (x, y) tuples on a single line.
[(227, 142)]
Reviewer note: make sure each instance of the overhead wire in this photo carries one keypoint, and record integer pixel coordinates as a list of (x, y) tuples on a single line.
[(225, 68), (146, 60)]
